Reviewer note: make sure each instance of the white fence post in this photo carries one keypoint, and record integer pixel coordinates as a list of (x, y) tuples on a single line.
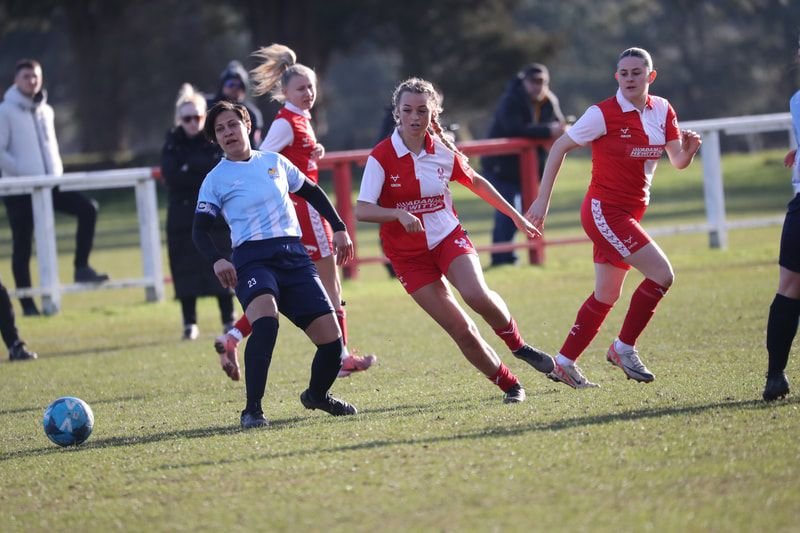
[(714, 190), (150, 235), (46, 255)]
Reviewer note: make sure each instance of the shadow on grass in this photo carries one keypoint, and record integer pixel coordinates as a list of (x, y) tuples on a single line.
[(41, 409), (558, 425)]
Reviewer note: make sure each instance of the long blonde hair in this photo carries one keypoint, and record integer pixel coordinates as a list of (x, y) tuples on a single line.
[(420, 86), (189, 95), (279, 65)]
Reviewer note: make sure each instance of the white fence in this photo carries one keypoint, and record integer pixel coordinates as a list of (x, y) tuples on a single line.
[(713, 186), (40, 188)]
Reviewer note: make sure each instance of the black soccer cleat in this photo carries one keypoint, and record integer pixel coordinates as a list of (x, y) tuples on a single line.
[(329, 404), (87, 274), (253, 419), (536, 358), (20, 352), (515, 394), (777, 387)]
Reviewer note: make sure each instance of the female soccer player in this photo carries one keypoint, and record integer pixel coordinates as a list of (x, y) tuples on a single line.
[(628, 133), (292, 136), (784, 313), (270, 269), (405, 188)]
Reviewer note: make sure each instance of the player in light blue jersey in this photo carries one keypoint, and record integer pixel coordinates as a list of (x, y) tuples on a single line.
[(784, 312), (270, 269)]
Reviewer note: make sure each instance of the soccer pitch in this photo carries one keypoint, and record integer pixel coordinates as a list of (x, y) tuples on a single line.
[(433, 447)]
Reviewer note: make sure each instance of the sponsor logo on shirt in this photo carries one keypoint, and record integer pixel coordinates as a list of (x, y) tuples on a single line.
[(646, 152), (395, 180), (623, 133), (461, 242), (428, 204)]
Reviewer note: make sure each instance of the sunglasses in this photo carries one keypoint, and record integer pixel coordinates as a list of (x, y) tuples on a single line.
[(189, 118), (233, 84)]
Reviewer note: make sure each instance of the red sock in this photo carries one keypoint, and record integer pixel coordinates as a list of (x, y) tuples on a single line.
[(590, 317), (643, 305), (503, 378), (341, 316), (510, 335), (244, 326)]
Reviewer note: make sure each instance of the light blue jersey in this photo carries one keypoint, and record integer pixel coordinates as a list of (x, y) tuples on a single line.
[(794, 108), (253, 196)]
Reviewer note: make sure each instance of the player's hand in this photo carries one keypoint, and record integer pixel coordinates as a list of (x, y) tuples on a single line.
[(537, 212), (343, 247), (226, 273), (690, 141), (789, 160), (318, 152), (526, 227), (410, 222)]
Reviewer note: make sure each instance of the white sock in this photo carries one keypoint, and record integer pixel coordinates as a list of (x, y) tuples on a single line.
[(564, 361), (621, 347), (236, 334)]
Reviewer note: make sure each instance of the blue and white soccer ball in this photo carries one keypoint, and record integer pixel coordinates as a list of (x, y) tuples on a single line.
[(68, 421)]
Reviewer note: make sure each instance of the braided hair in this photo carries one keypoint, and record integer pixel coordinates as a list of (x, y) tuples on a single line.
[(420, 86)]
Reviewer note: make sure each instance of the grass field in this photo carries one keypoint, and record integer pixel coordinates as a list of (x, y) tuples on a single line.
[(433, 447)]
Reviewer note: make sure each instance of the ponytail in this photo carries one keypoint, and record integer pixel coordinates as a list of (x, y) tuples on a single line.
[(279, 64)]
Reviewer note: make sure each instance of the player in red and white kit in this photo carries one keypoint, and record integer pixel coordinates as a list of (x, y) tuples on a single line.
[(628, 133), (292, 136), (405, 188)]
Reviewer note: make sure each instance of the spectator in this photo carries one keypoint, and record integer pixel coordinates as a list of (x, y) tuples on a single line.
[(234, 86), (28, 147), (405, 188), (186, 158), (784, 312), (17, 350), (527, 108)]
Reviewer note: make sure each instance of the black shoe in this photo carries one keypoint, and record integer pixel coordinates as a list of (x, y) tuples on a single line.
[(29, 307), (536, 358), (20, 352), (777, 387), (253, 419), (515, 394), (331, 405), (88, 275)]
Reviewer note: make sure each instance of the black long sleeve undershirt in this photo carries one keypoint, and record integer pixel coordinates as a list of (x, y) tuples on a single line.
[(201, 235), (315, 196)]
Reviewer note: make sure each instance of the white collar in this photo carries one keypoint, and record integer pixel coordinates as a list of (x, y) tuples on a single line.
[(627, 106), (401, 149), (296, 110)]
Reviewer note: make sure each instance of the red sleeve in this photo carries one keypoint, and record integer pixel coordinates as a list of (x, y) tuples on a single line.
[(673, 132), (462, 172)]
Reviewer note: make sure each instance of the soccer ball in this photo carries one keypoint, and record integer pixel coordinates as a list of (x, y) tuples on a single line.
[(68, 421)]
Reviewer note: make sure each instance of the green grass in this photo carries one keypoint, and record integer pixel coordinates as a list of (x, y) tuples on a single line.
[(433, 448)]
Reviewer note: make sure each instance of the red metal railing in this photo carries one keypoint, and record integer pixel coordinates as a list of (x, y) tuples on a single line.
[(341, 164)]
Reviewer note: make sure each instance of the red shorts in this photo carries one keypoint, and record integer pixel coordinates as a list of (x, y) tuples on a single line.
[(615, 231), (317, 234), (416, 271)]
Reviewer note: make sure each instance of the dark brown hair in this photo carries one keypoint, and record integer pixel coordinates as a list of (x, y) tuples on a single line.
[(26, 63), (219, 108)]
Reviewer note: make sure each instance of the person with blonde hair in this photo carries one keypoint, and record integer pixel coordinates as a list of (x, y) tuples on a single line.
[(405, 188), (291, 134), (629, 133), (186, 158)]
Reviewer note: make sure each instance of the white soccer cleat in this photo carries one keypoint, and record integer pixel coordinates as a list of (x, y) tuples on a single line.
[(630, 363), (570, 375)]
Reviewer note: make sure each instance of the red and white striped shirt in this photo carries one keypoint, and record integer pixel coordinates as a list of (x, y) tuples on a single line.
[(396, 178), (626, 146)]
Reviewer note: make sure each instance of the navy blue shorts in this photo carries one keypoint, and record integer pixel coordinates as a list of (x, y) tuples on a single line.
[(281, 267), (790, 237)]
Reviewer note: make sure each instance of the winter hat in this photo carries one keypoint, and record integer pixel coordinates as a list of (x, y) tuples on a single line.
[(235, 70)]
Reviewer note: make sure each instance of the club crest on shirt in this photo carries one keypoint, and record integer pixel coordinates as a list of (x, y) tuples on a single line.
[(273, 172)]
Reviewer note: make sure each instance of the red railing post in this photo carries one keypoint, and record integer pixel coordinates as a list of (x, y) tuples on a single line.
[(342, 186), (529, 182)]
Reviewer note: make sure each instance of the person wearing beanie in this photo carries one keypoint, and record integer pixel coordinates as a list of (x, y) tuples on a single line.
[(234, 86)]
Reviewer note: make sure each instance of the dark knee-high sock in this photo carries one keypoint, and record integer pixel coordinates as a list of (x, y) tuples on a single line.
[(784, 314), (8, 327), (257, 357), (325, 367)]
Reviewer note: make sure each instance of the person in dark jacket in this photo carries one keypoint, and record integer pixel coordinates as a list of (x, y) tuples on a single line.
[(528, 108), (186, 158), (234, 86)]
